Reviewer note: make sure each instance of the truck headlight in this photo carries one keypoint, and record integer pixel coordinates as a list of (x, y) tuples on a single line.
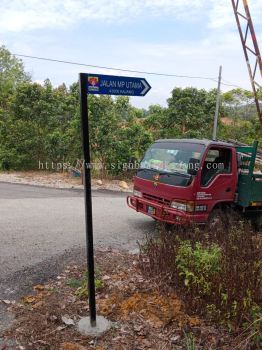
[(183, 206), (137, 194), (178, 205)]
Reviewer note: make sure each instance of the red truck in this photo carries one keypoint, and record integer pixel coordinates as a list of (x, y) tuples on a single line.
[(189, 181), (182, 181)]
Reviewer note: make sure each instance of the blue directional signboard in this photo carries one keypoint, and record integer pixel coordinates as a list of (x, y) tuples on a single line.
[(116, 85)]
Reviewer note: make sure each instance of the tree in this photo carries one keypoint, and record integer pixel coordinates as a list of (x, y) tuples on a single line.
[(19, 145), (156, 120), (239, 103), (123, 108), (191, 111), (104, 123), (48, 113), (11, 74)]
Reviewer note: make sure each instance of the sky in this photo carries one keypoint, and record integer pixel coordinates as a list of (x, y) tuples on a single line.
[(182, 37)]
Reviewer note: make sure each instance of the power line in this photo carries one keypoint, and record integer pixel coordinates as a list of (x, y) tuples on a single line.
[(224, 82), (229, 83), (114, 68)]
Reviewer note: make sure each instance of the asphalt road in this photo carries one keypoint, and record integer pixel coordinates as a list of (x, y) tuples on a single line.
[(42, 230)]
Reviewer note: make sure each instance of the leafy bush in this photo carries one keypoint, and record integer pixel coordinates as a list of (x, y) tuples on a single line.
[(198, 265), (218, 273), (80, 285)]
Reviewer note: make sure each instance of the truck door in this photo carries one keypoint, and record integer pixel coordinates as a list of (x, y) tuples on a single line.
[(217, 182)]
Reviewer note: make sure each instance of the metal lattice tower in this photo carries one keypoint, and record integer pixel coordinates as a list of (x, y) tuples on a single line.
[(247, 36)]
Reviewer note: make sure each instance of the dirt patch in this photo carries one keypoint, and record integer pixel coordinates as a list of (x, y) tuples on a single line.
[(62, 180), (143, 317)]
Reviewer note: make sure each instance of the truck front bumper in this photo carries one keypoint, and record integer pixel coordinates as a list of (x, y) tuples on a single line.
[(162, 212)]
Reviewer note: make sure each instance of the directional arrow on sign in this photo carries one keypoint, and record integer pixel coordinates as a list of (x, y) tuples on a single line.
[(116, 85), (147, 87)]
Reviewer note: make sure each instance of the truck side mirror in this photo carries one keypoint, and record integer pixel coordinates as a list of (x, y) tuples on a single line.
[(193, 166)]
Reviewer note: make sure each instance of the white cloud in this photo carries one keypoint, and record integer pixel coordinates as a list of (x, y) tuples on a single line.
[(25, 15), (221, 13), (18, 15)]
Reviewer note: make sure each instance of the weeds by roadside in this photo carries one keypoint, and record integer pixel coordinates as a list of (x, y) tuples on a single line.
[(143, 317), (189, 290), (217, 274), (80, 284)]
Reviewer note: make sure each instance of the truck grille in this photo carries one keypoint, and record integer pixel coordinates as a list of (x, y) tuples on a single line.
[(156, 199)]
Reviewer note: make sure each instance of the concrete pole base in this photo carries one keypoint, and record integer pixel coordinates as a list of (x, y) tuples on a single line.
[(85, 328)]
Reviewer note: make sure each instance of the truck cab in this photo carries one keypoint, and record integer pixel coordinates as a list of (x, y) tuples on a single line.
[(182, 181)]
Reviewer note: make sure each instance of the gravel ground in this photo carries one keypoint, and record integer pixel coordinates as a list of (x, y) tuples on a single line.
[(62, 180)]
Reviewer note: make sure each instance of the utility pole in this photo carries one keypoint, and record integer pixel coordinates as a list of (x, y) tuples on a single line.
[(217, 104)]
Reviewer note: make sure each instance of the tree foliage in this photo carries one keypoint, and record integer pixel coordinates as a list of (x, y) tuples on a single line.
[(11, 74), (41, 123), (191, 112)]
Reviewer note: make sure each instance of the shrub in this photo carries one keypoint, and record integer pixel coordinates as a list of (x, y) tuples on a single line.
[(218, 273), (198, 265)]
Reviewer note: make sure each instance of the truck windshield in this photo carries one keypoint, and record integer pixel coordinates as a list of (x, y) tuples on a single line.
[(172, 157)]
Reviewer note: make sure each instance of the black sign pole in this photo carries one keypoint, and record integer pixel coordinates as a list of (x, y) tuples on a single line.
[(88, 198)]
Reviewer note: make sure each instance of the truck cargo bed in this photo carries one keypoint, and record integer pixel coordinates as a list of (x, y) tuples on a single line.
[(249, 191)]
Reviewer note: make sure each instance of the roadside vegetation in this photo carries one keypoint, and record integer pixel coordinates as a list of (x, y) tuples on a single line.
[(41, 123), (217, 274), (179, 293)]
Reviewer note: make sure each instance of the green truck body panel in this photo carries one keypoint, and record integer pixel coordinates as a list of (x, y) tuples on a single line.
[(249, 184)]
